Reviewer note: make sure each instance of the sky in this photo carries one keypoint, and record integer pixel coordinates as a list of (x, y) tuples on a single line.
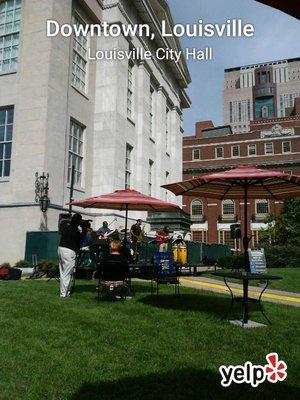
[(276, 37)]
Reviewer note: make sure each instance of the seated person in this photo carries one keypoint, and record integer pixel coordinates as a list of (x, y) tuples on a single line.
[(104, 230), (114, 263)]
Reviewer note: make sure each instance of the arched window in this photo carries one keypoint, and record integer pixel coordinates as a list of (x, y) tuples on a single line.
[(265, 112), (262, 207), (197, 208), (228, 207)]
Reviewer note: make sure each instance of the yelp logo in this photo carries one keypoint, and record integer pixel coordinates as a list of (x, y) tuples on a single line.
[(274, 371)]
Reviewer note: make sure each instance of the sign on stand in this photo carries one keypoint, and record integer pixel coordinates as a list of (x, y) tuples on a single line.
[(257, 260)]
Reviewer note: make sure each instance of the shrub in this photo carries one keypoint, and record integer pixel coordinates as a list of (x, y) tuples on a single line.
[(47, 266), (23, 264), (231, 262), (283, 256), (5, 265)]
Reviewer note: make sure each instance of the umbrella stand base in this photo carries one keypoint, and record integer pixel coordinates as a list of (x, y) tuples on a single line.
[(249, 325)]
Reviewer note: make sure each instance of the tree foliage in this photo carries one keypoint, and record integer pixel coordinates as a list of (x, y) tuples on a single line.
[(284, 228)]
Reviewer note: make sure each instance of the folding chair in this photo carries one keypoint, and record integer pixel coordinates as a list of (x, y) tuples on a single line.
[(166, 272)]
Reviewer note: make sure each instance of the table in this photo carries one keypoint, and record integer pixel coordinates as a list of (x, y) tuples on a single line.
[(245, 299)]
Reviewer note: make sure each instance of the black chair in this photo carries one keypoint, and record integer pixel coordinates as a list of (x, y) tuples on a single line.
[(113, 272)]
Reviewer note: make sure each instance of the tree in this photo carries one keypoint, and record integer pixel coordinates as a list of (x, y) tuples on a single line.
[(285, 228)]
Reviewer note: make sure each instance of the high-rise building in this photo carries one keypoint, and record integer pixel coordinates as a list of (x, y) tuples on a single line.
[(254, 92), (118, 122)]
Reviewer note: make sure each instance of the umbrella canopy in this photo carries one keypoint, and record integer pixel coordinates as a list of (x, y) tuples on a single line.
[(127, 199), (259, 183), (240, 183)]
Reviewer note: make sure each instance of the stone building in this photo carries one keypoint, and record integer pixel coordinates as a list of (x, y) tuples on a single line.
[(118, 122), (264, 90), (271, 143)]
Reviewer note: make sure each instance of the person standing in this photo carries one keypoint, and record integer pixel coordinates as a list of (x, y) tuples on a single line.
[(162, 238), (136, 233), (69, 246)]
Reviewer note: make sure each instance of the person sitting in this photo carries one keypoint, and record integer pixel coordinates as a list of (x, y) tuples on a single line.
[(114, 263), (104, 230)]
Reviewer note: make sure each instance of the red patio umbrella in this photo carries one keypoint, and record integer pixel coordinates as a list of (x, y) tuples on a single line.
[(127, 199), (240, 183)]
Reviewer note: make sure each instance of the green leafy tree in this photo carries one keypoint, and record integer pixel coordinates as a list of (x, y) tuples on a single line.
[(285, 228)]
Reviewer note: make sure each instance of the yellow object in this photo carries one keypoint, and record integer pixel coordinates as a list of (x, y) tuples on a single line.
[(180, 254), (175, 253)]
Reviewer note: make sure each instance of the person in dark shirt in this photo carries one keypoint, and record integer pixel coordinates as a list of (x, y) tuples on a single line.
[(136, 232), (69, 246), (114, 263), (104, 230)]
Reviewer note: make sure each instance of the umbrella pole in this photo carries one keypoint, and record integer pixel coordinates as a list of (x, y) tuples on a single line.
[(126, 223), (246, 240)]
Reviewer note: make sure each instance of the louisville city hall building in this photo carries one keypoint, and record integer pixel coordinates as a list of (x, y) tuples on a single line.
[(118, 122)]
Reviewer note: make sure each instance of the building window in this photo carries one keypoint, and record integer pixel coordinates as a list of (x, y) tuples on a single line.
[(235, 151), (76, 152), (225, 238), (262, 207), (219, 152), (263, 77), (150, 177), (239, 111), (269, 148), (130, 91), (196, 209), (251, 149), (265, 111), (128, 165), (255, 238), (10, 20), (227, 207), (151, 111), (287, 101), (6, 133), (265, 107), (199, 236), (196, 154), (286, 147), (79, 64)]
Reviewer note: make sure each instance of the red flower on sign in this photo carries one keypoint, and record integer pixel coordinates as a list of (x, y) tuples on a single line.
[(275, 369)]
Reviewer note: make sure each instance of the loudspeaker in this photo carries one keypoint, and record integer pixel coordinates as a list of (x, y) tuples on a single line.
[(235, 231), (63, 220)]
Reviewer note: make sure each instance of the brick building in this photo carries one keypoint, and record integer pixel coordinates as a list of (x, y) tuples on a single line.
[(271, 143)]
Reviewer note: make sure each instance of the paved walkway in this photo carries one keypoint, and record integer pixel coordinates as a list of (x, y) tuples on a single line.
[(213, 285)]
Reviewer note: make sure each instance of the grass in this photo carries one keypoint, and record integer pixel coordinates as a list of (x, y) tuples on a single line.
[(290, 281), (146, 348)]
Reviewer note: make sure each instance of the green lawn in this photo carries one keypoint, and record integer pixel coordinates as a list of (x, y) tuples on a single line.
[(290, 281), (145, 348)]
